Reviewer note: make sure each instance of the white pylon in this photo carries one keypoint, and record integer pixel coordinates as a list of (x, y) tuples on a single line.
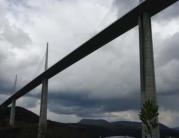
[(13, 106), (43, 108)]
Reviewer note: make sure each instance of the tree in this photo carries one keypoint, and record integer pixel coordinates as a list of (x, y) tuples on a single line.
[(148, 116)]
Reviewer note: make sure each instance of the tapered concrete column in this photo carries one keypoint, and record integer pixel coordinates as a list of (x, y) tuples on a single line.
[(147, 72), (43, 108), (13, 106), (12, 114)]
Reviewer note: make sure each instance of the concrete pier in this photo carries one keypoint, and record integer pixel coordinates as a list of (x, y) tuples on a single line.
[(43, 108), (13, 106), (147, 71), (12, 114)]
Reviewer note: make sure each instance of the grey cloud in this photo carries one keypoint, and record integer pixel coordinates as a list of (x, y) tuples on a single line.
[(169, 93), (112, 68), (3, 55), (169, 101), (16, 36), (124, 6), (167, 64), (30, 102), (168, 14), (169, 50), (5, 87), (17, 2), (10, 37), (83, 105), (11, 34)]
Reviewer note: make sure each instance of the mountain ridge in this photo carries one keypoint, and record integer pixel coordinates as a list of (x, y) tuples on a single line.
[(26, 125), (125, 123)]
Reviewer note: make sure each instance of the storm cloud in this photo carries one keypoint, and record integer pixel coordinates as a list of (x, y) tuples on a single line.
[(105, 84)]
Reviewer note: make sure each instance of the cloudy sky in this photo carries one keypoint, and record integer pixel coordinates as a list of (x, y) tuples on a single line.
[(106, 84)]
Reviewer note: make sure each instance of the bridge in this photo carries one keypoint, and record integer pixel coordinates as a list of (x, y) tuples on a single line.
[(139, 15)]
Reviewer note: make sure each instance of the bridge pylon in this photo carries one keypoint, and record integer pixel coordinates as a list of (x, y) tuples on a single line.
[(147, 69), (13, 106), (43, 107)]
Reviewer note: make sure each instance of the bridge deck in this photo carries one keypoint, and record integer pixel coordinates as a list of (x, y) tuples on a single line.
[(116, 29)]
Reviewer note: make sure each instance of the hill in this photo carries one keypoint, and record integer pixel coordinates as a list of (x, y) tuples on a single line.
[(129, 127), (100, 122), (26, 125), (176, 128)]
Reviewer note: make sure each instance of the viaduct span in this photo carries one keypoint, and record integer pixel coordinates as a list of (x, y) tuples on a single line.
[(141, 15)]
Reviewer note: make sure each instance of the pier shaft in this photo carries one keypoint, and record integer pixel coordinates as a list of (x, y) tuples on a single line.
[(147, 71), (43, 107)]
